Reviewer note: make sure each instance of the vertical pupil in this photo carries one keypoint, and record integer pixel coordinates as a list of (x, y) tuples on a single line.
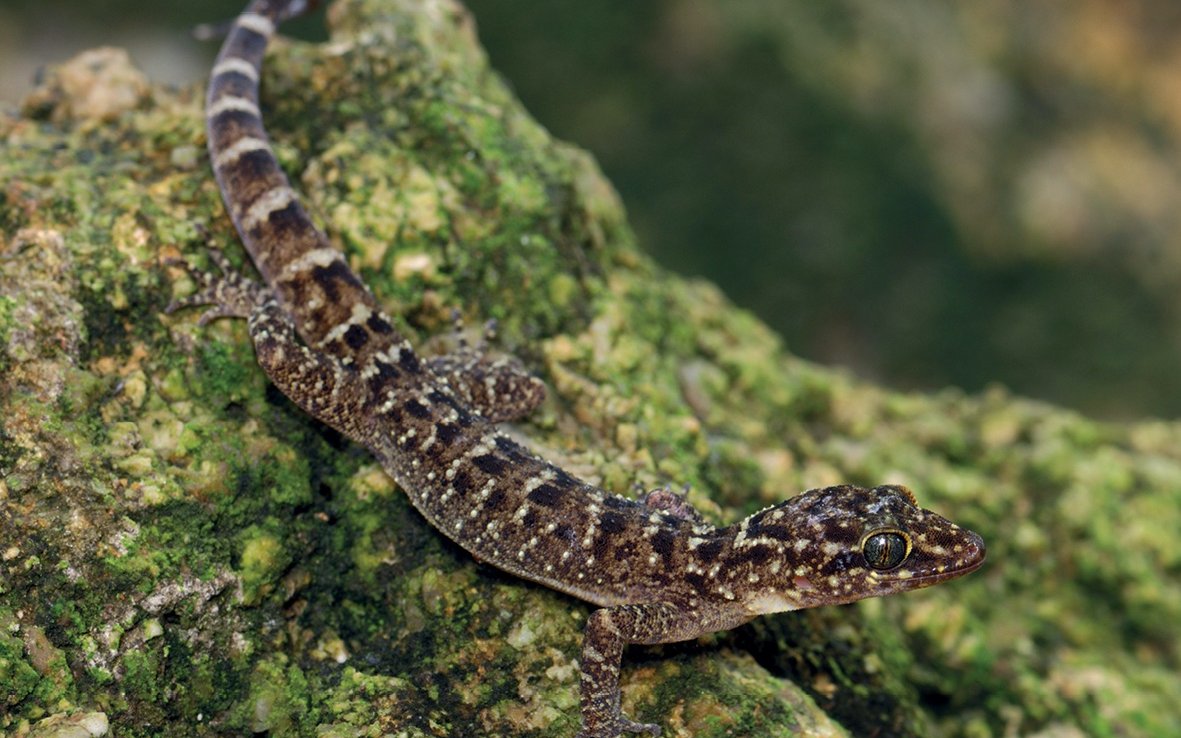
[(885, 550)]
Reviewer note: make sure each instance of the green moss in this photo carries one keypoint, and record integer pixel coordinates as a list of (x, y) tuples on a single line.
[(140, 678), (18, 679), (7, 308), (263, 558), (277, 701), (226, 370)]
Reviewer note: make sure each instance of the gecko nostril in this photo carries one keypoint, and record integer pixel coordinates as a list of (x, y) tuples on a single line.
[(976, 547)]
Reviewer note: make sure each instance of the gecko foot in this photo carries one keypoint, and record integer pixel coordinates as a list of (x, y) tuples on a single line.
[(499, 388), (487, 335), (230, 294), (665, 500), (620, 726)]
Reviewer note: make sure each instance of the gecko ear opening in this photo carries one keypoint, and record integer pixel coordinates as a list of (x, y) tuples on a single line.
[(885, 549)]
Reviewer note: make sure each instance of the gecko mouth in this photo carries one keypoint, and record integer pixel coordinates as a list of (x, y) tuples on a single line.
[(973, 558), (950, 572)]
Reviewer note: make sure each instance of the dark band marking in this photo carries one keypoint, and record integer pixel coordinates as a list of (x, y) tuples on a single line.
[(754, 555), (461, 482), (756, 520), (233, 83), (564, 533), (379, 325), (662, 542), (408, 360), (356, 337), (612, 522), (616, 502), (385, 372), (840, 563), (245, 44), (250, 177), (466, 419), (513, 451), (290, 222), (562, 478), (546, 495), (233, 132), (622, 551), (496, 499), (417, 409), (777, 532), (709, 550), (491, 465), (330, 279), (446, 433)]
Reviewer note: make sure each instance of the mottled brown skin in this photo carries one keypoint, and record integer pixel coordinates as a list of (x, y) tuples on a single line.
[(656, 570)]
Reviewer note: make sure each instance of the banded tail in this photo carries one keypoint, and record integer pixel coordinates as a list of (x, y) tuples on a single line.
[(333, 310)]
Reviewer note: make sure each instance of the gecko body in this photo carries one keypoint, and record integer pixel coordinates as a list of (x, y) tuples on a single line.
[(655, 569)]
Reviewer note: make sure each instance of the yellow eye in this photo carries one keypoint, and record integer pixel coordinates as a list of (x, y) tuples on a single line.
[(885, 549)]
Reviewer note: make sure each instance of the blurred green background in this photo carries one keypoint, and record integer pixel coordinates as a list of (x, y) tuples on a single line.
[(928, 193)]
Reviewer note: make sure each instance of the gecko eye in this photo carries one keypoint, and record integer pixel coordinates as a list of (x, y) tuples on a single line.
[(885, 549)]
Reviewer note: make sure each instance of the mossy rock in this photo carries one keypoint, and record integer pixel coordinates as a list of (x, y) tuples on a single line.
[(182, 552)]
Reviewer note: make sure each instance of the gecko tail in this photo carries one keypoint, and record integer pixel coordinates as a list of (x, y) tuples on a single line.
[(277, 10), (212, 31), (281, 10)]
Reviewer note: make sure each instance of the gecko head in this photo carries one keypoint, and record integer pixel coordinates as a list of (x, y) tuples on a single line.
[(841, 544)]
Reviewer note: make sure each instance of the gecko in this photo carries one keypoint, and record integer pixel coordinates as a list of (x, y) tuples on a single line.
[(654, 569)]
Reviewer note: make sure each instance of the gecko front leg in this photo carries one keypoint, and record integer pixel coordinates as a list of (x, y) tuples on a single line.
[(608, 631)]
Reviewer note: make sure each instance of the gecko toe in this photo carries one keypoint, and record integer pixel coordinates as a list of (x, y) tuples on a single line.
[(630, 726), (228, 293), (621, 727)]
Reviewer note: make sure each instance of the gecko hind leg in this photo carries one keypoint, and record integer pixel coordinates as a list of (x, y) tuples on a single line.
[(228, 293), (499, 388), (318, 383)]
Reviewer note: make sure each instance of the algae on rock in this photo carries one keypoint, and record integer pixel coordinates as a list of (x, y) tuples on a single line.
[(182, 551)]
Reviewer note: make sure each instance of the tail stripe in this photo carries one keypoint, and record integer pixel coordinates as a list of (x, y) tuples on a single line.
[(234, 65), (229, 156), (331, 307), (227, 103), (259, 24), (268, 202)]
